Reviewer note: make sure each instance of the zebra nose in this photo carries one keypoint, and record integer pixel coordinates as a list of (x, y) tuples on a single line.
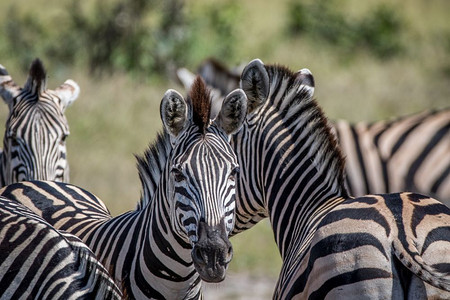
[(212, 256), (212, 253)]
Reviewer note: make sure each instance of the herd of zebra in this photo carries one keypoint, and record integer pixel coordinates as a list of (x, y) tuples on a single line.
[(241, 147)]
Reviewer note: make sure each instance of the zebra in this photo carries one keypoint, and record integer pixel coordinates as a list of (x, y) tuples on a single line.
[(332, 245), (380, 157), (407, 153), (34, 145), (39, 262), (178, 235)]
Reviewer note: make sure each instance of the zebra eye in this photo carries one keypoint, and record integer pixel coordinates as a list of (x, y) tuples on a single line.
[(178, 175), (64, 137), (234, 173)]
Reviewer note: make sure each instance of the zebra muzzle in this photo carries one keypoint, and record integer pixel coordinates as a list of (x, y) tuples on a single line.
[(212, 253)]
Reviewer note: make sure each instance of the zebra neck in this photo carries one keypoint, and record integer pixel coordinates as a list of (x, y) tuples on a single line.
[(293, 168), (295, 244), (145, 255), (166, 255)]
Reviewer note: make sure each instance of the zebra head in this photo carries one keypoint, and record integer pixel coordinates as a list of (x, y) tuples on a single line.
[(36, 128), (201, 171)]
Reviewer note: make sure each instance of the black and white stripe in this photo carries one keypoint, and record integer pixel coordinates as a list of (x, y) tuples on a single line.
[(34, 143), (410, 153), (332, 246), (40, 262), (178, 236)]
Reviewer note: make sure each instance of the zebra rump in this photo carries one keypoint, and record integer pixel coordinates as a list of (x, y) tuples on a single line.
[(38, 261)]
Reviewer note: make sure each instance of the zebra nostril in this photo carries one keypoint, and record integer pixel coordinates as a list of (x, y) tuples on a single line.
[(198, 257)]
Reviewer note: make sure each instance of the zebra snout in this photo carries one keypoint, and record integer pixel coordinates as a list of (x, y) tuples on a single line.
[(212, 253)]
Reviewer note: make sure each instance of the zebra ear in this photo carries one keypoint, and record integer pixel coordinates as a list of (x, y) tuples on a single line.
[(67, 93), (8, 89), (233, 112), (305, 79), (255, 83), (174, 112), (186, 78)]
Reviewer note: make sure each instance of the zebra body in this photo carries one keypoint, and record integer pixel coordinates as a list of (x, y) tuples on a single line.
[(34, 145), (332, 245), (392, 246), (178, 236), (410, 153), (39, 262)]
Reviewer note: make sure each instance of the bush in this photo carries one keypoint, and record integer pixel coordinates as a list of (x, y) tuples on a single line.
[(322, 20), (28, 38), (142, 37), (380, 32)]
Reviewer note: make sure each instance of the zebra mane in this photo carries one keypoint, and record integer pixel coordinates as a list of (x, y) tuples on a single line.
[(37, 77), (298, 107), (150, 166), (200, 99)]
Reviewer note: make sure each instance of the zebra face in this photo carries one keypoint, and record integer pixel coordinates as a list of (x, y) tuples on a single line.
[(203, 201), (35, 142), (203, 180), (201, 173), (36, 128)]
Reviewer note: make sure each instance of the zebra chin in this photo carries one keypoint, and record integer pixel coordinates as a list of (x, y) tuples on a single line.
[(212, 253)]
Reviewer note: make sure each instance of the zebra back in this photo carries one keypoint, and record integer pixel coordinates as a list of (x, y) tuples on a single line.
[(34, 144), (411, 153), (38, 261)]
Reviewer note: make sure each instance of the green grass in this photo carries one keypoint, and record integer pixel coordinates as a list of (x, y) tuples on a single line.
[(118, 115)]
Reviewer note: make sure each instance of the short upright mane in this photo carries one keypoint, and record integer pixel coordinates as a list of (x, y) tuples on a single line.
[(37, 75), (300, 107), (150, 166), (201, 103)]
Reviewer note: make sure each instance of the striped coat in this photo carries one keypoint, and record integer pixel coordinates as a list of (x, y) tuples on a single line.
[(178, 235), (410, 153), (40, 262), (332, 245), (34, 144)]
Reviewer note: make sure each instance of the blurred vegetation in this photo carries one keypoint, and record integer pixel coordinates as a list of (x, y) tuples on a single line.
[(371, 59), (377, 31), (143, 37)]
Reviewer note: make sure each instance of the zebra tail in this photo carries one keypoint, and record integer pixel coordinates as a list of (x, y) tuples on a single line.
[(414, 262)]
